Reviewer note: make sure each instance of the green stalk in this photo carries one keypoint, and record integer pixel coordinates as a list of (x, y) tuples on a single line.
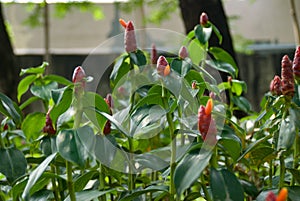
[(206, 193), (1, 143), (102, 181), (173, 147), (131, 184), (54, 186), (214, 158), (271, 174), (282, 171), (295, 156)]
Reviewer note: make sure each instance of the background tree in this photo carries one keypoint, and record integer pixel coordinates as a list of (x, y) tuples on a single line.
[(8, 81)]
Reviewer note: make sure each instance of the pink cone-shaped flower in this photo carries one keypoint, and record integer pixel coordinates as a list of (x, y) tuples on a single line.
[(275, 86), (48, 128), (296, 65), (154, 55), (79, 76), (163, 67), (203, 19), (129, 38), (287, 78), (206, 123), (183, 53)]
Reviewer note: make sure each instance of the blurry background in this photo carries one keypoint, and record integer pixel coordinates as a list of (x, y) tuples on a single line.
[(262, 32)]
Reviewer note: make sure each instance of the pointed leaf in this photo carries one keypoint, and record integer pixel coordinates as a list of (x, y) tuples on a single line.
[(287, 134), (35, 70), (8, 108), (43, 91), (24, 85)]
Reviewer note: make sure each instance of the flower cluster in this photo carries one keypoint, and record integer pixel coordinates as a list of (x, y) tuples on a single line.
[(163, 67), (129, 37), (296, 65), (206, 123), (282, 196), (48, 128)]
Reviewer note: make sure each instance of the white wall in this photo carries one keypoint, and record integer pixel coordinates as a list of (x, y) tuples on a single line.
[(258, 20)]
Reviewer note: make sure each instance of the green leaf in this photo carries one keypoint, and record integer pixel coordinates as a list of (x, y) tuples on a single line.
[(249, 188), (223, 56), (58, 79), (189, 37), (33, 124), (232, 146), (182, 67), (89, 195), (83, 179), (138, 57), (202, 33), (62, 101), (294, 192), (221, 66), (24, 85), (35, 70), (13, 163), (91, 103), (217, 32), (121, 67), (28, 102), (36, 174), (150, 160), (75, 145), (9, 109), (295, 173), (139, 192), (196, 52), (225, 186), (43, 91), (238, 87), (242, 103), (190, 168), (287, 134)]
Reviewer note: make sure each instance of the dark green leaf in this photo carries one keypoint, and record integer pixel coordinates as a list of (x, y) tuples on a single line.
[(223, 56), (8, 108), (295, 173), (138, 57), (43, 91), (221, 66), (81, 181), (249, 188), (190, 168), (43, 194), (24, 85), (34, 70), (182, 67), (232, 146), (121, 67), (242, 103), (238, 87), (149, 160), (202, 33), (36, 174), (192, 196), (287, 134), (62, 101), (225, 186), (89, 195), (217, 32), (13, 163), (294, 192), (139, 192)]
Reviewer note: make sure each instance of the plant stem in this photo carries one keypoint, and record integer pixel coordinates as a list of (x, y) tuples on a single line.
[(282, 171), (70, 181), (295, 155), (206, 193), (131, 184), (53, 181), (1, 142), (173, 146), (271, 174), (102, 181), (214, 158)]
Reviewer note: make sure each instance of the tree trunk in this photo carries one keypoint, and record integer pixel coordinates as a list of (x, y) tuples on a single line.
[(191, 11), (8, 75)]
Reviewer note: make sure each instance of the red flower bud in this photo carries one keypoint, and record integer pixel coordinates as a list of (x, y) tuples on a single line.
[(48, 128), (296, 64), (154, 55), (287, 78), (123, 23), (271, 196), (194, 85), (109, 102), (275, 86), (203, 19), (5, 127), (183, 53), (206, 124), (163, 67), (129, 38), (79, 76)]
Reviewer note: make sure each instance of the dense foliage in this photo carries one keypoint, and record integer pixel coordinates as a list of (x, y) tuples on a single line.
[(168, 130)]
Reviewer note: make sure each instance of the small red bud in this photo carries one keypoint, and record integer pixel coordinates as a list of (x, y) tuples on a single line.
[(183, 52), (5, 127), (296, 65), (275, 86), (107, 126), (203, 19), (48, 128), (271, 196), (194, 85), (154, 55), (207, 126), (229, 79), (129, 38), (163, 67)]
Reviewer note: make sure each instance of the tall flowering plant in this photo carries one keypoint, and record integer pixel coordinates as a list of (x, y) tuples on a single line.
[(166, 131)]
